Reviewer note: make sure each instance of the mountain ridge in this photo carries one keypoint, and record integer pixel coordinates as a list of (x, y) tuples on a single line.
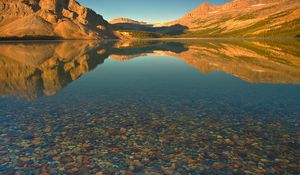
[(243, 18), (65, 19), (126, 20)]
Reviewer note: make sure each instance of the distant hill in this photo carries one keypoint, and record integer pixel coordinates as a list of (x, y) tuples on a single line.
[(126, 20), (50, 19), (244, 18), (125, 28)]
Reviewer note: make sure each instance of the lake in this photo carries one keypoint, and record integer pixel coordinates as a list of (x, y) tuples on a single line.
[(150, 107)]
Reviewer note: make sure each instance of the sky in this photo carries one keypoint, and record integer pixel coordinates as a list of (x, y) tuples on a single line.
[(145, 10)]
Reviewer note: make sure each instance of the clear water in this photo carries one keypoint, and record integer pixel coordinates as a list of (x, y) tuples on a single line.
[(146, 107)]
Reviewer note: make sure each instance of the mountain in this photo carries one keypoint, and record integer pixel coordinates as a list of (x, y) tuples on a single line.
[(243, 18), (50, 19), (67, 19), (126, 21), (120, 25), (125, 28)]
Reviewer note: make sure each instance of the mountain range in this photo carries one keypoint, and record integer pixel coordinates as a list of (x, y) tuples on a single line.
[(67, 19)]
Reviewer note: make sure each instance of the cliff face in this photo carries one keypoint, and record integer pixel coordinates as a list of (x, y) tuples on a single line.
[(244, 18), (64, 19)]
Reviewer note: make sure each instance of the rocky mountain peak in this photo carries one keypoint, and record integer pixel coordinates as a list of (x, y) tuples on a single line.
[(205, 5), (204, 8), (244, 18), (67, 19)]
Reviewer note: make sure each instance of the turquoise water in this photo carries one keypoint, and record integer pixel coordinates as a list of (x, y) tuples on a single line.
[(168, 107)]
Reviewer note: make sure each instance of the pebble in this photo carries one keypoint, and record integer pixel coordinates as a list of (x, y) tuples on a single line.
[(147, 143)]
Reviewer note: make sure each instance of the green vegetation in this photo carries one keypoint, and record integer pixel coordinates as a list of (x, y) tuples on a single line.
[(281, 14), (244, 31), (136, 44), (266, 8), (288, 45), (203, 25), (263, 51), (291, 28), (210, 32), (285, 29), (141, 34), (245, 17)]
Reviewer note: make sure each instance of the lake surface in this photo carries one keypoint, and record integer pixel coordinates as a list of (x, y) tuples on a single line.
[(150, 107)]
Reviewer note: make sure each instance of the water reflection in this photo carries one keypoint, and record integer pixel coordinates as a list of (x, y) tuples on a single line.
[(31, 70), (145, 107), (253, 61)]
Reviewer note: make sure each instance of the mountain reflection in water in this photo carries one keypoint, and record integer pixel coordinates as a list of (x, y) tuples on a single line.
[(150, 107), (34, 69)]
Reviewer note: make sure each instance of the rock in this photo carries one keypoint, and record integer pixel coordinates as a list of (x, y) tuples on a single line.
[(217, 166), (24, 159), (219, 137), (47, 130), (73, 170), (86, 160), (191, 161), (85, 145), (229, 142), (138, 163), (68, 14), (67, 159), (51, 19), (168, 170), (37, 141)]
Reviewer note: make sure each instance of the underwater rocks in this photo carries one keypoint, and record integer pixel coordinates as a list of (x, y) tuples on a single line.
[(107, 142)]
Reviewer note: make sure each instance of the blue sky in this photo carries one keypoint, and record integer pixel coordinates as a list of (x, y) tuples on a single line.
[(145, 10)]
